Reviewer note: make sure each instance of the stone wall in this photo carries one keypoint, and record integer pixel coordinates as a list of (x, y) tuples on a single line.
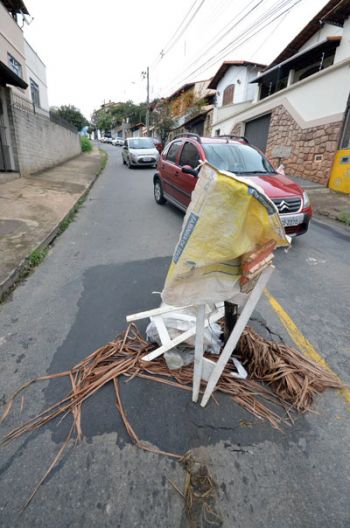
[(237, 129), (39, 142), (310, 151)]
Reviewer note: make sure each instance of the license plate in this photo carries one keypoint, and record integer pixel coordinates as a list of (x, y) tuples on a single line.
[(292, 220), (147, 159)]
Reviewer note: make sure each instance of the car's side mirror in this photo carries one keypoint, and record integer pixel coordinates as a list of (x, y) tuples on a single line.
[(187, 169)]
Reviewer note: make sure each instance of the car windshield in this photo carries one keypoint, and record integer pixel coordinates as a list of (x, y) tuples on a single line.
[(141, 143), (237, 158)]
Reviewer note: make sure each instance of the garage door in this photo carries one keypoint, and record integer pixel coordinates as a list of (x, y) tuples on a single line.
[(257, 131)]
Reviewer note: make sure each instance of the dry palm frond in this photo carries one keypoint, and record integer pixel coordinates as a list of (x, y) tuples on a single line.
[(290, 375), (123, 356), (293, 379), (199, 493)]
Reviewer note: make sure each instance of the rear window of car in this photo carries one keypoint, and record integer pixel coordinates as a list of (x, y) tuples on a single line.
[(237, 158), (189, 155), (172, 152), (141, 143)]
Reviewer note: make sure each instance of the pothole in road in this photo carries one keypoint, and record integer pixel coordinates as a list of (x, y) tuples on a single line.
[(161, 415)]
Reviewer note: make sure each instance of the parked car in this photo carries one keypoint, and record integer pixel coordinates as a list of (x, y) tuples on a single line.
[(140, 151), (118, 141), (176, 175), (158, 144)]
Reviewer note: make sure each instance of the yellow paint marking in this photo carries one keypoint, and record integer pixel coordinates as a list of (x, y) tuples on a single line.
[(301, 342)]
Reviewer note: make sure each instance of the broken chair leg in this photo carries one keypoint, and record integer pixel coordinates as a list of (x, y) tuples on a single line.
[(198, 351), (236, 333)]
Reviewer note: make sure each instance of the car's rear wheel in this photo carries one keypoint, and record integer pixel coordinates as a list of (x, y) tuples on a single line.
[(158, 192)]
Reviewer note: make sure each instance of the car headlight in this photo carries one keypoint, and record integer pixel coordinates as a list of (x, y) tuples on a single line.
[(306, 199)]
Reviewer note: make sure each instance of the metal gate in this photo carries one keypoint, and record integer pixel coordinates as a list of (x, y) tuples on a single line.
[(257, 131), (5, 161)]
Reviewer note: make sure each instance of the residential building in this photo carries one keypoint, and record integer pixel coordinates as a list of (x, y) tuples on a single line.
[(234, 92), (12, 54), (109, 105), (137, 130), (30, 139), (36, 77), (191, 107), (299, 116)]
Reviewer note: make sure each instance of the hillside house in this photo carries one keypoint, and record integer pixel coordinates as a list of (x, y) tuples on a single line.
[(301, 113)]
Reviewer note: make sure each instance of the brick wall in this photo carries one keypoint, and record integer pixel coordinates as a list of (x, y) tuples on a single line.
[(312, 150), (40, 143)]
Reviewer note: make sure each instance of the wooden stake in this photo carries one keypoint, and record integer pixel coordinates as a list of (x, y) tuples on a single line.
[(231, 314), (198, 351)]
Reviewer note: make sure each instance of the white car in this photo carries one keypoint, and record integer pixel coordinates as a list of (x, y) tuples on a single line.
[(140, 151), (118, 141)]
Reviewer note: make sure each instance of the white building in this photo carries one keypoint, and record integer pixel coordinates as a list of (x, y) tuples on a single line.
[(36, 75), (301, 113), (30, 139), (234, 92)]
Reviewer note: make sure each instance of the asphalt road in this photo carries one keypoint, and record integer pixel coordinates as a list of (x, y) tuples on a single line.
[(105, 266)]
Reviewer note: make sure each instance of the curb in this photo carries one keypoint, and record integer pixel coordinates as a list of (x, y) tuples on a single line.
[(16, 273)]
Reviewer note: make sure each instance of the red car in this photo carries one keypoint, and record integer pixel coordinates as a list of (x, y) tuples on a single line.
[(176, 175)]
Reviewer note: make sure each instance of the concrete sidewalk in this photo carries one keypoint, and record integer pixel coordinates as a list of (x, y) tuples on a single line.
[(329, 203), (32, 209), (324, 201)]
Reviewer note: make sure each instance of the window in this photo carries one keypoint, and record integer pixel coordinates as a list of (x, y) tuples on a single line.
[(14, 65), (141, 143), (228, 94), (34, 90), (217, 132), (237, 158), (172, 152), (189, 155)]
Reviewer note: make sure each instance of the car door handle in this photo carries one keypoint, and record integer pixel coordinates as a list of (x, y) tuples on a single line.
[(177, 173)]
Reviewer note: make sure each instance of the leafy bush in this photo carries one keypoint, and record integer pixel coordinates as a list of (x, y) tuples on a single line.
[(85, 143), (344, 216)]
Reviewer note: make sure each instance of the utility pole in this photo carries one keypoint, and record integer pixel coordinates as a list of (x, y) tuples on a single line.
[(147, 111)]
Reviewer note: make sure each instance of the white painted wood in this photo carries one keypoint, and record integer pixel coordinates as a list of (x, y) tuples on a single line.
[(161, 329), (213, 318), (208, 366), (241, 371), (236, 333), (155, 311), (198, 351)]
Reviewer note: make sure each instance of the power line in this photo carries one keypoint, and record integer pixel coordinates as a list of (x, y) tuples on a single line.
[(238, 42), (179, 31), (174, 34), (264, 41), (186, 26), (219, 36), (273, 9)]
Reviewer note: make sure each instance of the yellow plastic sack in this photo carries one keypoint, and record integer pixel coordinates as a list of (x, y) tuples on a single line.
[(227, 217)]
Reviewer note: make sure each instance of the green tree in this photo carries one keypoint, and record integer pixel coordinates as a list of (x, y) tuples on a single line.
[(109, 117), (162, 118), (71, 114)]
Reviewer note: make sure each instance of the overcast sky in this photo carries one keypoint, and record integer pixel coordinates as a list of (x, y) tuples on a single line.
[(96, 51)]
